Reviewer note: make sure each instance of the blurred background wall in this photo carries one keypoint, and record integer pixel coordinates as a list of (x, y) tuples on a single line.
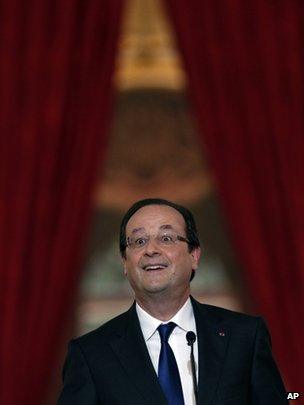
[(154, 150), (106, 102)]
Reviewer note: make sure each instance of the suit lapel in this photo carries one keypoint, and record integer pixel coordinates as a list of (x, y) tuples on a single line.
[(212, 347), (130, 347)]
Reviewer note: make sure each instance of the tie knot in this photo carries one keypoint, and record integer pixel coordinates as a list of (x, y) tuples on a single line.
[(165, 331)]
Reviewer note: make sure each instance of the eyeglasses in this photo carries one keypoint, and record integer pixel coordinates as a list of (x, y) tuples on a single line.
[(162, 239)]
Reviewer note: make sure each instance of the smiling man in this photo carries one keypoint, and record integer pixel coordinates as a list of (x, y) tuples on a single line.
[(168, 348)]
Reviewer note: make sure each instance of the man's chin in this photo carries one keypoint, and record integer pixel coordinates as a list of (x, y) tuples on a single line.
[(156, 288)]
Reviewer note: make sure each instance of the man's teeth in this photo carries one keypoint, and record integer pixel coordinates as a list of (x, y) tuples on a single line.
[(154, 267)]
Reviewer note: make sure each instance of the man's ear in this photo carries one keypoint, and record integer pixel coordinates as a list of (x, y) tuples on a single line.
[(124, 265), (195, 254)]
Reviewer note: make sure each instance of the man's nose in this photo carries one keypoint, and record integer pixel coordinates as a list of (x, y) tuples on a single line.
[(152, 248)]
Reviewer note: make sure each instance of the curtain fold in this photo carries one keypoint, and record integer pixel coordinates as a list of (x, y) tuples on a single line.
[(56, 61), (245, 65)]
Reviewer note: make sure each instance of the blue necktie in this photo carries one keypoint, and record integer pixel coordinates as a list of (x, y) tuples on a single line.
[(168, 374)]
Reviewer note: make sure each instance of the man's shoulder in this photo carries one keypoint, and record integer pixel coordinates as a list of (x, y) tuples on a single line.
[(106, 331), (226, 313), (222, 316)]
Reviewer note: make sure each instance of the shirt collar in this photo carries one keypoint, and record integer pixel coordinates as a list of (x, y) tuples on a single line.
[(184, 319)]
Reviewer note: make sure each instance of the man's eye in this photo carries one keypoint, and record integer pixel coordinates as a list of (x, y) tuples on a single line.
[(166, 238), (140, 242)]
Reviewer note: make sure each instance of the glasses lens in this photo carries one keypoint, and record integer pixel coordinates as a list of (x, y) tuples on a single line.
[(167, 238), (163, 238)]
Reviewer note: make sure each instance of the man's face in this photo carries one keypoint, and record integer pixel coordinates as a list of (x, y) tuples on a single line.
[(159, 268)]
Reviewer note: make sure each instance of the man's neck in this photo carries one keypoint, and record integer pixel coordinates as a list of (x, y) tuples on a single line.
[(162, 308)]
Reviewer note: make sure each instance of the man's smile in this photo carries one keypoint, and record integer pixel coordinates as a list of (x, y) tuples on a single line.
[(154, 266)]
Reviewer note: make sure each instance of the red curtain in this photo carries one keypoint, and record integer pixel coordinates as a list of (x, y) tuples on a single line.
[(245, 63), (56, 60)]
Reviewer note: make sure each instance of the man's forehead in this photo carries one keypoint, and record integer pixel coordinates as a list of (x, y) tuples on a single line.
[(158, 216), (161, 227)]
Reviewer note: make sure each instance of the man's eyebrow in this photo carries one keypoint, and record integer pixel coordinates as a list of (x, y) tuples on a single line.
[(135, 230), (166, 227)]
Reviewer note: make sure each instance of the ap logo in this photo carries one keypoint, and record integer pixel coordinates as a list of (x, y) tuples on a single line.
[(293, 395)]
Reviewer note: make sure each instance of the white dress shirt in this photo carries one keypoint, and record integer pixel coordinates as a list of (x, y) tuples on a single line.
[(184, 319)]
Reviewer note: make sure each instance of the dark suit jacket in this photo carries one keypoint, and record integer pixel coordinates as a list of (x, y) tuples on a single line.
[(111, 365)]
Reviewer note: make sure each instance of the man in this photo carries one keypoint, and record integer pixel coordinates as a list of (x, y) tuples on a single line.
[(143, 357)]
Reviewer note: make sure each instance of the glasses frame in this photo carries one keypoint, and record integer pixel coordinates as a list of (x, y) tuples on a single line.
[(148, 237)]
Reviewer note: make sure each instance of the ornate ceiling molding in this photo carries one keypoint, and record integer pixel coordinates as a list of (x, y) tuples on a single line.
[(147, 55)]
